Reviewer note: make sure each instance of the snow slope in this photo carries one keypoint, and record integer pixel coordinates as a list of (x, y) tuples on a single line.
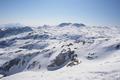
[(69, 51)]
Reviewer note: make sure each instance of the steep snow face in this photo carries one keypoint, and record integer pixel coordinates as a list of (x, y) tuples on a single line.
[(89, 53)]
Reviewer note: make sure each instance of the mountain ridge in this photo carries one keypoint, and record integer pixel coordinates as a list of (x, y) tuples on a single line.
[(53, 50)]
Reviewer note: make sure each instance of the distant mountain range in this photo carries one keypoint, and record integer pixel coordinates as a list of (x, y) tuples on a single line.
[(71, 24)]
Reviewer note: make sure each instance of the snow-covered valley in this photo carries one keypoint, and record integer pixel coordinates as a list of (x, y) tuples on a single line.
[(68, 51)]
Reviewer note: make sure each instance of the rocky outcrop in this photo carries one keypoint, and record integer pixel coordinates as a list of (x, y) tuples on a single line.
[(17, 64), (62, 59)]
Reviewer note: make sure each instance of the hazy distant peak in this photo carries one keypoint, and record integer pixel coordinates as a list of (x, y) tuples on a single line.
[(78, 24), (71, 24), (64, 24)]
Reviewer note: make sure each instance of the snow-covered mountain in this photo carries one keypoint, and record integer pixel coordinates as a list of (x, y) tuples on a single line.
[(68, 51), (12, 29)]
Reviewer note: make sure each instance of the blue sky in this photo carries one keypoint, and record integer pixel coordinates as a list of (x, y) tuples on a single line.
[(39, 12)]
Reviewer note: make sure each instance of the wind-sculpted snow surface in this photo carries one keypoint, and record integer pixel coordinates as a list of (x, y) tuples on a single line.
[(68, 51)]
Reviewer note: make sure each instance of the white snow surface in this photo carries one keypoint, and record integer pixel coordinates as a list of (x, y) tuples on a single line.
[(97, 49)]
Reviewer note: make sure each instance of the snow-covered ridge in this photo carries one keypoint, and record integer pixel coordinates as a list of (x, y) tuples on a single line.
[(49, 50), (13, 29)]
